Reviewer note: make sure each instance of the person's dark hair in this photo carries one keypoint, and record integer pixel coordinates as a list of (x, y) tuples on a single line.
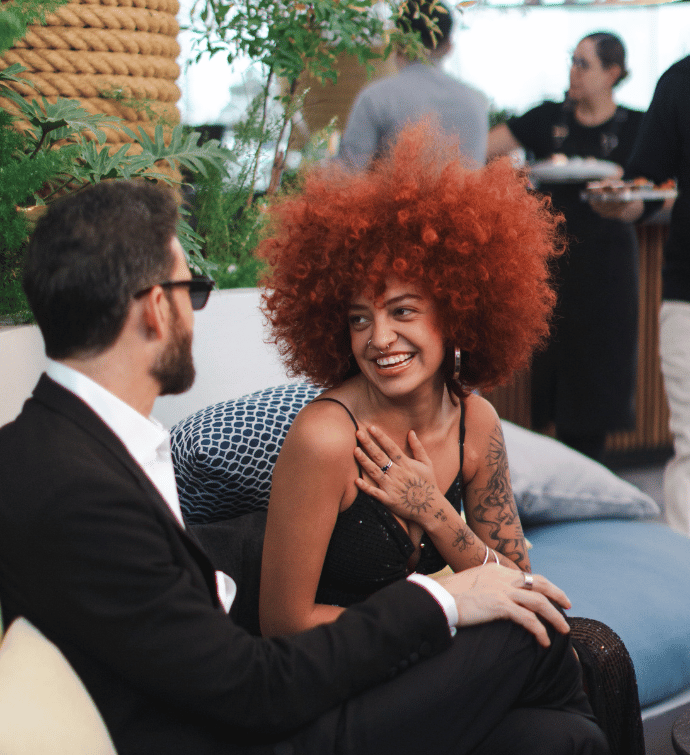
[(610, 51), (412, 19), (90, 253)]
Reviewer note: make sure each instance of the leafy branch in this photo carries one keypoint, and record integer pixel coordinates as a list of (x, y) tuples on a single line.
[(293, 40)]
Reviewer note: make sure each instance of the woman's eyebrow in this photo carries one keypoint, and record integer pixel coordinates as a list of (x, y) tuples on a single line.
[(402, 297), (388, 302)]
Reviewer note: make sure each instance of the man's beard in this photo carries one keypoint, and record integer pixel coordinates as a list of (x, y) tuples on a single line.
[(174, 368)]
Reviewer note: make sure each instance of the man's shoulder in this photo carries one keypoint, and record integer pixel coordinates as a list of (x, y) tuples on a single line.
[(50, 402), (680, 68), (54, 425), (675, 81), (437, 73)]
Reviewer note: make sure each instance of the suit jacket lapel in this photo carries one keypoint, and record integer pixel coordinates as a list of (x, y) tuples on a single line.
[(65, 402)]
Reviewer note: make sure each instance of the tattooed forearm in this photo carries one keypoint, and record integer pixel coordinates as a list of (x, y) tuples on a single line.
[(494, 504), (461, 541)]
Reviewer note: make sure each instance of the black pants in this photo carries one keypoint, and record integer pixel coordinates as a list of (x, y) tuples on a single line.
[(495, 692)]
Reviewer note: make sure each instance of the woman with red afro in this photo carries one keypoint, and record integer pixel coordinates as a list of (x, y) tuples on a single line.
[(401, 290)]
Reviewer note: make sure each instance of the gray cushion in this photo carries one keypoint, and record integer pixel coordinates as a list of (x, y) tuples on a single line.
[(553, 483)]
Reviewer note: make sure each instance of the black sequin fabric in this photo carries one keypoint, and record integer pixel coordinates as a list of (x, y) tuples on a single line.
[(370, 549), (610, 683)]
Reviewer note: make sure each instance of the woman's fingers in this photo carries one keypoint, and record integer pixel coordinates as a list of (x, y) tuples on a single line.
[(382, 449), (384, 452), (418, 450), (372, 468)]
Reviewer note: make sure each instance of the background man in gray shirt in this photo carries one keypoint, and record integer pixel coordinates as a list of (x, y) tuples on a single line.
[(420, 89)]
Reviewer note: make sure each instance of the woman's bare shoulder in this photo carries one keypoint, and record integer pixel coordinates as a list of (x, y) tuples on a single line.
[(480, 413), (322, 428)]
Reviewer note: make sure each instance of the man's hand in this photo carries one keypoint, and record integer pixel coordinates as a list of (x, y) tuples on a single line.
[(491, 592)]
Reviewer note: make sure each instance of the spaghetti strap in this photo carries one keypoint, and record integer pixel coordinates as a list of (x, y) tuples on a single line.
[(335, 401), (352, 417), (462, 449)]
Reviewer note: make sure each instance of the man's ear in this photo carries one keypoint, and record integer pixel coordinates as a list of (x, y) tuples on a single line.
[(155, 314)]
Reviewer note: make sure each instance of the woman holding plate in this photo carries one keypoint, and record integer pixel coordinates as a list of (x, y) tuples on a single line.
[(584, 382)]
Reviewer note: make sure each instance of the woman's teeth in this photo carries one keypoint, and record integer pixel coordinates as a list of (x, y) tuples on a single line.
[(393, 360)]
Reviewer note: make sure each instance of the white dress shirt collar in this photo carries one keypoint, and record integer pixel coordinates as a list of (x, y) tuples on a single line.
[(147, 441)]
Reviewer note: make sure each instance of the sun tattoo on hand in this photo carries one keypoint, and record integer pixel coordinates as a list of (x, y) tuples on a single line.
[(418, 495)]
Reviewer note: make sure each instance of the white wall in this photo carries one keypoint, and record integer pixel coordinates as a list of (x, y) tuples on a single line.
[(230, 355)]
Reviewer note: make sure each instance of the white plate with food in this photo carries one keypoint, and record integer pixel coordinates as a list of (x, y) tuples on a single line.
[(562, 169), (629, 191)]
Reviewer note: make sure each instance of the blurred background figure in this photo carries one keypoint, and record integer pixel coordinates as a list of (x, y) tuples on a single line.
[(584, 382), (662, 152), (420, 88)]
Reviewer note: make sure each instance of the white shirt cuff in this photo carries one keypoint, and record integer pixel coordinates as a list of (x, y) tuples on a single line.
[(441, 596), (227, 589)]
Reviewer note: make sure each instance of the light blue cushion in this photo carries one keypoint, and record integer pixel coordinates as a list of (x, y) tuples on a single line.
[(633, 576), (553, 483)]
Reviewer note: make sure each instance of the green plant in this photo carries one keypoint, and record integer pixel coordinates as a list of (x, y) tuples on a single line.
[(49, 149), (16, 17), (288, 41)]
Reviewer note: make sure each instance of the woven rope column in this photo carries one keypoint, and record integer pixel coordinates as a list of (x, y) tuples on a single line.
[(89, 48)]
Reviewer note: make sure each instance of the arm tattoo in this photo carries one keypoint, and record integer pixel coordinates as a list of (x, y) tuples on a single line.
[(461, 541), (417, 496), (495, 504)]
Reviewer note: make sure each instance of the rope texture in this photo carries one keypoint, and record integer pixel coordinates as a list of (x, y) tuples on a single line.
[(108, 54)]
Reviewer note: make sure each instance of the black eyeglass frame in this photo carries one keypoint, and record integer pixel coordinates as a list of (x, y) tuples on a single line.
[(199, 286)]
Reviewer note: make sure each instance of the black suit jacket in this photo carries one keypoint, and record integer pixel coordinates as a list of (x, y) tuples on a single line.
[(91, 554)]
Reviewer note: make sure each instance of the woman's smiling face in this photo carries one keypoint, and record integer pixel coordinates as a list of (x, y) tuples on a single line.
[(396, 339)]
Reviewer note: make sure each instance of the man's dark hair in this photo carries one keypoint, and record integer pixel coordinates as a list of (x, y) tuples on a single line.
[(412, 19), (90, 253)]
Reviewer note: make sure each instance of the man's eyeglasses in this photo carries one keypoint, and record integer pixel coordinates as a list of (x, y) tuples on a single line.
[(200, 287)]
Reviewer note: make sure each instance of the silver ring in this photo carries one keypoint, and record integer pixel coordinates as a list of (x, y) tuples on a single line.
[(528, 584), (387, 467)]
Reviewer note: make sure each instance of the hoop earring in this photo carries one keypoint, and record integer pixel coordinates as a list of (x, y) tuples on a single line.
[(458, 363)]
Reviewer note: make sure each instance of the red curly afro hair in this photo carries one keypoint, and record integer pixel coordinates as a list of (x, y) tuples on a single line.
[(478, 243)]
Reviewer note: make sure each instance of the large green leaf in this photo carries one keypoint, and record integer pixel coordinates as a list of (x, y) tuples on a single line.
[(63, 119), (182, 150)]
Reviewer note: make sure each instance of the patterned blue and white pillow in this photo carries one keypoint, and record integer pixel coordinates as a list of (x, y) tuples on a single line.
[(224, 454)]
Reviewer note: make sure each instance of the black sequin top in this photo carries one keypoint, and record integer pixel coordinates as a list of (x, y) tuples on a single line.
[(370, 549)]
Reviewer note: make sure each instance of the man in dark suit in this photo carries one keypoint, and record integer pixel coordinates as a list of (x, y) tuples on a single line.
[(94, 551)]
